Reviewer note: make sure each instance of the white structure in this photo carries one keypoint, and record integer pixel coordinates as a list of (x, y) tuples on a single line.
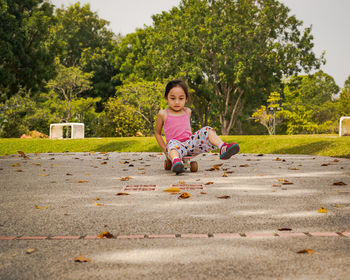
[(56, 130), (344, 126)]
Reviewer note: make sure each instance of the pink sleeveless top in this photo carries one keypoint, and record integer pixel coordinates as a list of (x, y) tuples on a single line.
[(177, 127)]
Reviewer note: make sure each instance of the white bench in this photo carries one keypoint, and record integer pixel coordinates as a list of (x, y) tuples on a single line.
[(56, 130), (344, 126)]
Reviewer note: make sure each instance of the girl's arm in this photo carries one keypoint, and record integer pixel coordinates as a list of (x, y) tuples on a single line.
[(158, 131)]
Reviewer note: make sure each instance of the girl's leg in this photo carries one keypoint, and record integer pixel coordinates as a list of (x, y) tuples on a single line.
[(214, 139), (175, 150)]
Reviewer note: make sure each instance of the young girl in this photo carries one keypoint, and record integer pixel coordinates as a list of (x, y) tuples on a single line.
[(177, 130)]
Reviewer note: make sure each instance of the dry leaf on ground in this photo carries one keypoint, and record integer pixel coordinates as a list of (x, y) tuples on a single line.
[(98, 204), (82, 181), (127, 178), (322, 210), (284, 229), (306, 251), (244, 165), (339, 184), (81, 259), (106, 234), (224, 197), (121, 193), (30, 250), (23, 154), (172, 189), (41, 207), (184, 195), (209, 183)]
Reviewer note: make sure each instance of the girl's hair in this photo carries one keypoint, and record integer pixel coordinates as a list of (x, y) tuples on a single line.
[(176, 83)]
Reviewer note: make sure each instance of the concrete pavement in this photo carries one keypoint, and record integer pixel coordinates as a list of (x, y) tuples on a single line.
[(55, 197)]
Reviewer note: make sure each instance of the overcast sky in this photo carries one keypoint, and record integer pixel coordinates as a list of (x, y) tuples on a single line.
[(329, 19)]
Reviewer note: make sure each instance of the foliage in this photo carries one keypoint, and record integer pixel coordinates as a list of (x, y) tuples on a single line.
[(145, 98), (241, 48), (69, 83), (309, 104), (271, 115), (79, 28), (119, 119), (26, 49)]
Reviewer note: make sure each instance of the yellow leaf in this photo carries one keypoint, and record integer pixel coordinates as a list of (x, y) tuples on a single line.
[(81, 259), (172, 189), (44, 175), (322, 210), (16, 164), (105, 234), (30, 250), (306, 251), (181, 182), (82, 181), (96, 198), (41, 207), (184, 195), (98, 204)]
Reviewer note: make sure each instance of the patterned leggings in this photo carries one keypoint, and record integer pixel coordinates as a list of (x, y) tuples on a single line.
[(197, 144)]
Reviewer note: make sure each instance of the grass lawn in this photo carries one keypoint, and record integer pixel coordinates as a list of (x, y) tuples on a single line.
[(325, 145)]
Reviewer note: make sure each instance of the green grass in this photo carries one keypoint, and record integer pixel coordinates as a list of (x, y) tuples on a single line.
[(325, 145)]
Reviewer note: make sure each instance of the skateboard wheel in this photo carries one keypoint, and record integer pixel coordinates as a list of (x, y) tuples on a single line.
[(167, 164), (194, 166)]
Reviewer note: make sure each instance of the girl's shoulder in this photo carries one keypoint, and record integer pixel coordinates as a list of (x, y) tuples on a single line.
[(163, 114), (187, 110)]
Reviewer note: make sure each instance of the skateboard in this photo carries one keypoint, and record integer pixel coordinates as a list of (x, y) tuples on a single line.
[(188, 163)]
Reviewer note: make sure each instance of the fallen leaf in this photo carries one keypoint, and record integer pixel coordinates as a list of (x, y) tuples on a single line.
[(209, 183), (81, 259), (38, 164), (68, 174), (339, 184), (324, 164), (172, 189), (16, 164), (306, 251), (121, 193), (339, 206), (96, 198), (336, 160), (44, 175), (278, 159), (98, 204), (106, 234), (276, 186), (30, 250), (184, 195), (203, 193), (22, 154), (286, 182), (284, 229), (293, 168), (224, 197), (126, 178), (322, 210), (244, 165), (104, 162), (224, 175), (181, 182), (41, 207), (282, 180), (19, 170), (82, 181)]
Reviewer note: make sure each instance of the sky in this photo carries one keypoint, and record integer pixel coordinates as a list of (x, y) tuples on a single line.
[(329, 19)]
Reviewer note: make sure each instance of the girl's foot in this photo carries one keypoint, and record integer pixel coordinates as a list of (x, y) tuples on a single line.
[(228, 150), (178, 166)]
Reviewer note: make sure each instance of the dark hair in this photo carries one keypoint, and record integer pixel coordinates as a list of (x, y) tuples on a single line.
[(176, 83)]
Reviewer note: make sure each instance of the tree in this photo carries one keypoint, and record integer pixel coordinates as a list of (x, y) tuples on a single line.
[(120, 120), (79, 28), (267, 115), (69, 83), (26, 50), (241, 48), (145, 98), (309, 103)]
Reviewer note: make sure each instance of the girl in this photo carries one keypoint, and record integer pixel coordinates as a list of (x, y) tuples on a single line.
[(177, 130)]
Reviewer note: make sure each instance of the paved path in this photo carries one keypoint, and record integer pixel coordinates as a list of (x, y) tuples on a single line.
[(269, 208)]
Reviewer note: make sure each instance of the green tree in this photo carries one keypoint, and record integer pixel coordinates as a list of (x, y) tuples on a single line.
[(69, 83), (27, 50), (241, 48), (145, 98), (309, 103), (79, 28), (119, 120), (270, 115)]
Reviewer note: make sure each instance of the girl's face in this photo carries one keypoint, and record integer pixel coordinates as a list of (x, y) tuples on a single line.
[(176, 99)]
